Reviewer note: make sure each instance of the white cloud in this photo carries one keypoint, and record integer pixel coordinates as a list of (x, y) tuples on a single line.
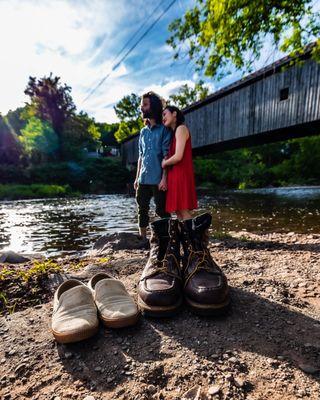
[(77, 40), (39, 38)]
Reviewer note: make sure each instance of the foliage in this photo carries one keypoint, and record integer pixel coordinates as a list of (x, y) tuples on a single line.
[(10, 148), (127, 129), (188, 95), (107, 138), (128, 108), (23, 286), (16, 120), (101, 175), (128, 112), (80, 132), (39, 140), (296, 161), (14, 192), (221, 33), (51, 102)]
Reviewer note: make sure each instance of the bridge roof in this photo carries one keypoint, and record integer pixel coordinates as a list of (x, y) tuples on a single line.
[(251, 78)]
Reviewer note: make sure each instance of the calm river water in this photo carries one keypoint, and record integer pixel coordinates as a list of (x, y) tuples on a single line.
[(62, 226)]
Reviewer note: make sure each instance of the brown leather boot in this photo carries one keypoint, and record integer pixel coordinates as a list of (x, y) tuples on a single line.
[(205, 285), (160, 286)]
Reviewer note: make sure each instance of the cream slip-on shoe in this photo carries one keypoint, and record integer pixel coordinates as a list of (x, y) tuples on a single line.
[(74, 315), (116, 307)]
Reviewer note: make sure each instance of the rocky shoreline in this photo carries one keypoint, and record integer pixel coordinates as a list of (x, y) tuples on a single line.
[(267, 347)]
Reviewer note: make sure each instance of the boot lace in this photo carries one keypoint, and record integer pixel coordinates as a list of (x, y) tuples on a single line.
[(162, 266), (205, 263)]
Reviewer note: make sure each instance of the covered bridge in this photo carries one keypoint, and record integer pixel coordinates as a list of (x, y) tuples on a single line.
[(278, 102)]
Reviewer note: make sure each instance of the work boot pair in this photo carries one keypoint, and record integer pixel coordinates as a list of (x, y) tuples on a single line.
[(168, 278)]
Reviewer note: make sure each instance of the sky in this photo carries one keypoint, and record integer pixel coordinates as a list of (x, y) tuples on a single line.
[(78, 40)]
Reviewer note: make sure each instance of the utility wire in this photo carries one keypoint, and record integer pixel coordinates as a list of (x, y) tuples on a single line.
[(130, 50), (134, 35)]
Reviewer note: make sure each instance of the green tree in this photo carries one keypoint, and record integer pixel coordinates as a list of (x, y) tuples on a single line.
[(16, 119), (80, 132), (108, 139), (188, 95), (221, 33), (10, 148), (128, 112), (126, 129), (52, 102), (39, 140), (128, 108)]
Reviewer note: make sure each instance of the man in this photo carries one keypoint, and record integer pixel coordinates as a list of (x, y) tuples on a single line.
[(154, 144)]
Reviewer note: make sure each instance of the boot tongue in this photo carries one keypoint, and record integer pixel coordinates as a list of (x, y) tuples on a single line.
[(201, 222)]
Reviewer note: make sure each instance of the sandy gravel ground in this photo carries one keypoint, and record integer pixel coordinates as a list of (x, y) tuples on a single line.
[(266, 347)]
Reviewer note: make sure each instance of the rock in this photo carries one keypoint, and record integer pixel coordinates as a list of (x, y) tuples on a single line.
[(192, 394), (89, 398), (11, 257), (20, 369), (215, 389), (308, 369), (151, 389), (120, 241), (238, 382)]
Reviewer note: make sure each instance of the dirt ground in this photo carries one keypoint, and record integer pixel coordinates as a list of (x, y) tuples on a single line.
[(266, 347)]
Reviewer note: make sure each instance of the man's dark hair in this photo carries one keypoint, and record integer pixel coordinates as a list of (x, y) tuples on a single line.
[(155, 106)]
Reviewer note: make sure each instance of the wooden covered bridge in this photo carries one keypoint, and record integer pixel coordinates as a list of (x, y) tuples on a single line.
[(279, 102)]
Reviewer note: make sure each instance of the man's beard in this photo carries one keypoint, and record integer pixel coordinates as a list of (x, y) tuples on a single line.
[(147, 114)]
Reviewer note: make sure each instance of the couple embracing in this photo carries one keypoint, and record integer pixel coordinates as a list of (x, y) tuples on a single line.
[(165, 172)]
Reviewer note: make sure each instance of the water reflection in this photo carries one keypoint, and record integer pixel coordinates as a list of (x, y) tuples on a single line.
[(60, 226), (266, 210)]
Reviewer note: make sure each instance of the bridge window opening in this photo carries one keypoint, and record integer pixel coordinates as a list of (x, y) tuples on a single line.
[(284, 93)]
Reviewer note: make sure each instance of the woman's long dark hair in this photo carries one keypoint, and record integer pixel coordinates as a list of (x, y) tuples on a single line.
[(180, 116)]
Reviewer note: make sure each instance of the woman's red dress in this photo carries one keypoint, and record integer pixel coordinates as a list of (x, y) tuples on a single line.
[(181, 193)]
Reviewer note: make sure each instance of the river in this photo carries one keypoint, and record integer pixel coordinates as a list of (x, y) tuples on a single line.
[(64, 226)]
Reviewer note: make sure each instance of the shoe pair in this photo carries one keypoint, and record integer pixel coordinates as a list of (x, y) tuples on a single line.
[(168, 278), (76, 307)]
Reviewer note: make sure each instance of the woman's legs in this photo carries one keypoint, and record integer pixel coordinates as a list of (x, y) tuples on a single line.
[(183, 214)]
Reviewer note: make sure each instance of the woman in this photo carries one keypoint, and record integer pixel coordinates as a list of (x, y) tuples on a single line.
[(181, 193)]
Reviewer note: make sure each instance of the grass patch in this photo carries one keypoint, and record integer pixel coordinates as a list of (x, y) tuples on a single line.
[(25, 286), (15, 192), (219, 235)]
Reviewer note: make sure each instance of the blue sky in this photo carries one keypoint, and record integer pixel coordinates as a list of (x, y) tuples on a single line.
[(78, 41)]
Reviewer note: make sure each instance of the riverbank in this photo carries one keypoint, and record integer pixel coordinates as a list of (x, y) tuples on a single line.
[(35, 191), (267, 347)]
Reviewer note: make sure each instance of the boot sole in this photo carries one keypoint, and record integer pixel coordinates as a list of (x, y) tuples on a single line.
[(208, 309), (159, 311), (120, 323), (75, 336)]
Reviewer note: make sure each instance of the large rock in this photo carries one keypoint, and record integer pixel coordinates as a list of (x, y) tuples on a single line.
[(120, 241), (11, 257)]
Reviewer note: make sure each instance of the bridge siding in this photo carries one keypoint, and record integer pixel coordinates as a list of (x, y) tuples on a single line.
[(253, 109)]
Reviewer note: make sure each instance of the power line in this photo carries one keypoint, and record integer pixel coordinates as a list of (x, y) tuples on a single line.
[(130, 50), (133, 36)]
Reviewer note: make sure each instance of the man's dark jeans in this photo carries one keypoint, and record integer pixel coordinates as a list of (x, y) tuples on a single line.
[(144, 194)]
